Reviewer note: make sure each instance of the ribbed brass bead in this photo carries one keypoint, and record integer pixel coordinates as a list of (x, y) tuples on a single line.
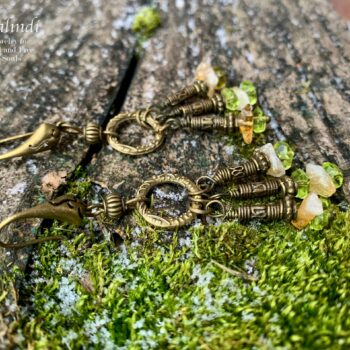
[(219, 104), (93, 133), (198, 88), (113, 206), (283, 209)]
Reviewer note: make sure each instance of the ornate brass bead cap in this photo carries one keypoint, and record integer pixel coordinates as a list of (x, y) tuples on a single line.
[(290, 208), (201, 87), (289, 186), (93, 133), (114, 206), (261, 161)]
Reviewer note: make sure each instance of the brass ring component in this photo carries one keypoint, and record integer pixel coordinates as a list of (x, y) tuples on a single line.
[(205, 187), (168, 222), (200, 211), (218, 202), (115, 123)]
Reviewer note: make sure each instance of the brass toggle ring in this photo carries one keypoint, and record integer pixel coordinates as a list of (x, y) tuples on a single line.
[(146, 120), (167, 221)]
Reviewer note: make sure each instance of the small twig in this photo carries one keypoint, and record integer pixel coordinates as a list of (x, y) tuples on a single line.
[(242, 274)]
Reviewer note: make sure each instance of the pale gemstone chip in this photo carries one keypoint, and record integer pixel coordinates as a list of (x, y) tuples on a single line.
[(206, 73), (320, 182), (309, 208), (242, 96), (276, 166)]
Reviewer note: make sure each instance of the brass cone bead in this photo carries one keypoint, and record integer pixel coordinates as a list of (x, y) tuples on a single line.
[(211, 105), (93, 133), (258, 164), (198, 88), (113, 206)]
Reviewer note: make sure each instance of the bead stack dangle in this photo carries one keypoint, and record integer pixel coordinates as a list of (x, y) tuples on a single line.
[(202, 198), (242, 185), (221, 195), (194, 107), (226, 110)]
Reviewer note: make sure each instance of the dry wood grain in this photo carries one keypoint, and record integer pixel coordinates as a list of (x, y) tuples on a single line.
[(295, 54), (75, 68)]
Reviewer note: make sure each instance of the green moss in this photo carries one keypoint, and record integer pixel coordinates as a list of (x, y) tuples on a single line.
[(259, 286), (146, 21)]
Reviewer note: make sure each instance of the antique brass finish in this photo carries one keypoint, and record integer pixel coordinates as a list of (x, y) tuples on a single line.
[(168, 222), (48, 135), (215, 104), (45, 137), (285, 185), (258, 164), (202, 201), (71, 210), (227, 123), (64, 208), (143, 118), (180, 109), (283, 209), (93, 133), (198, 88), (113, 206)]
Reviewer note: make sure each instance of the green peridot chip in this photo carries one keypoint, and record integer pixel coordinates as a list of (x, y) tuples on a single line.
[(302, 181), (248, 87), (320, 221), (284, 153), (259, 121), (220, 73), (227, 94), (334, 172)]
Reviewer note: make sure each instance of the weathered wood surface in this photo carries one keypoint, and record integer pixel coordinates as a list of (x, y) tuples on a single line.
[(77, 62), (299, 61), (297, 54)]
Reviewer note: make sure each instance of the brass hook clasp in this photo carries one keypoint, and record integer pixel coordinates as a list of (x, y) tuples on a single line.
[(45, 137), (64, 208)]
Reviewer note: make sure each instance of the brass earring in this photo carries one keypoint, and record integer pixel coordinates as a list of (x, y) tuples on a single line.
[(201, 200), (202, 114)]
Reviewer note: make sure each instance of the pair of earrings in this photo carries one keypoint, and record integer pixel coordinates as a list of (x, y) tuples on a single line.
[(199, 113), (203, 200)]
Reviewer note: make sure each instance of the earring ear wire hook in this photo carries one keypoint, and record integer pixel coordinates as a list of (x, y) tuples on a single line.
[(45, 137), (64, 208), (17, 137)]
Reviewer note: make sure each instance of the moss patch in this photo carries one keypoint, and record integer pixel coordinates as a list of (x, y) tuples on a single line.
[(145, 23), (226, 285)]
